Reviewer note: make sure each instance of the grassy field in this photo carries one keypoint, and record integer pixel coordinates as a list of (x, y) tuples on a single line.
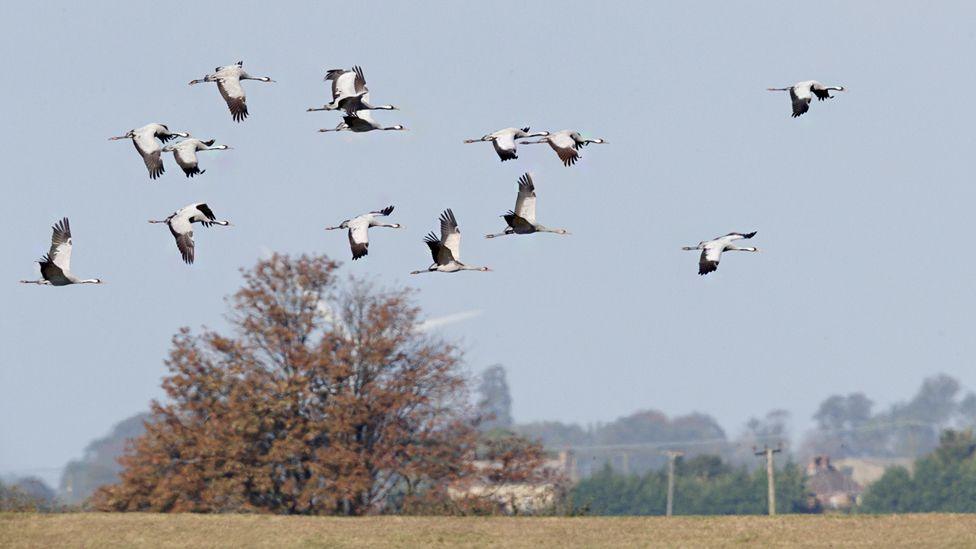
[(135, 530)]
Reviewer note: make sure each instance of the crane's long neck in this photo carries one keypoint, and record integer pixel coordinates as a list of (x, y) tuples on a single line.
[(543, 140), (388, 225), (733, 248), (534, 134), (222, 223), (362, 104), (541, 229), (89, 281), (464, 267)]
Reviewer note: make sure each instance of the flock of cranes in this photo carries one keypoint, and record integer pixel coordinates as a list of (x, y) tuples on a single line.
[(350, 97)]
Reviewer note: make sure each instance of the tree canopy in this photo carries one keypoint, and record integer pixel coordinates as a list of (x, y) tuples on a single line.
[(494, 399), (847, 425), (943, 481), (99, 465), (325, 398)]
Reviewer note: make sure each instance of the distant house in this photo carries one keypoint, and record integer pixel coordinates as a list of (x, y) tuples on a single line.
[(865, 471), (521, 497), (832, 487)]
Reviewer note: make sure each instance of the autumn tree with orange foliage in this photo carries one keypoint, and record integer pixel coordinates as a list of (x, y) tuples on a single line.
[(325, 399)]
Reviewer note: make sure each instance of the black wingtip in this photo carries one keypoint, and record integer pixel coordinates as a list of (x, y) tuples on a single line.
[(705, 268), (448, 216), (360, 251), (507, 155), (62, 226)]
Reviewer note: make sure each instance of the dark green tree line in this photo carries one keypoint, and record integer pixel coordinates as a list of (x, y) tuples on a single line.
[(704, 485), (943, 481)]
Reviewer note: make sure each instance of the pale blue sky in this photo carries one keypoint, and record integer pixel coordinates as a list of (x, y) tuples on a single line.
[(862, 205)]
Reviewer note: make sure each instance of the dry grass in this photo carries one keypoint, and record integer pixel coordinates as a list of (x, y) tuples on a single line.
[(156, 530)]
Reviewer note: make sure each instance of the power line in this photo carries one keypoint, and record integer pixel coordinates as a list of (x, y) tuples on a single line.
[(32, 470), (758, 438)]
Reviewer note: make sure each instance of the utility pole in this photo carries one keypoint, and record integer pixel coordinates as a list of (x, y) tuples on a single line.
[(770, 482), (672, 454)]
